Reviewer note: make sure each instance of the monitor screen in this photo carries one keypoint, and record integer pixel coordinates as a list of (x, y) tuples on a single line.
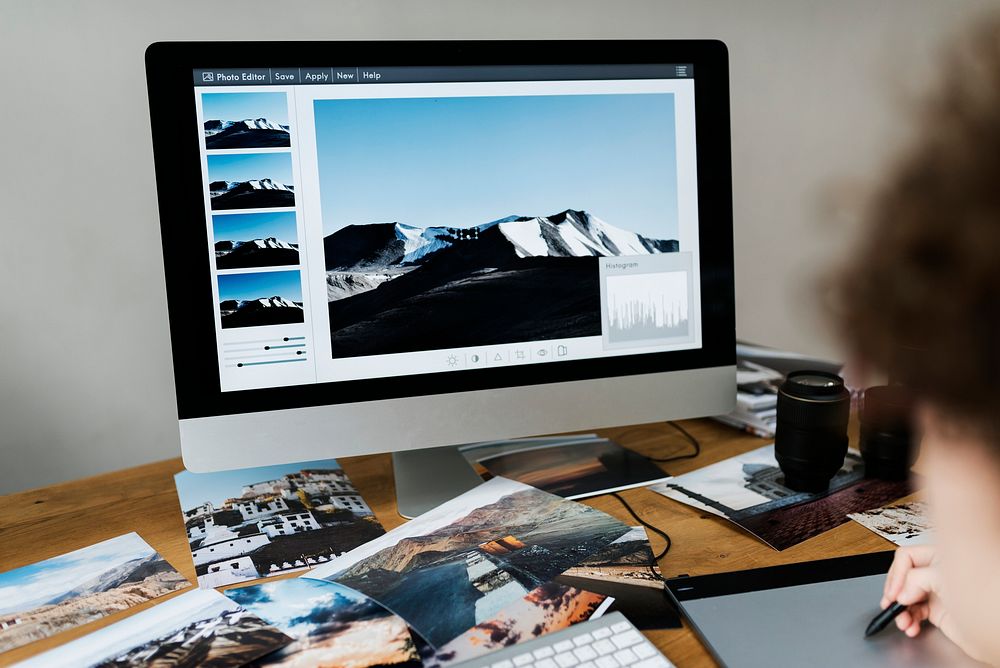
[(379, 222)]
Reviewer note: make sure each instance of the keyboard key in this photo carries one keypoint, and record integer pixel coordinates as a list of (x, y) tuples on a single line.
[(546, 663), (627, 639), (604, 646), (656, 662), (523, 659), (645, 650), (602, 632), (563, 646), (621, 627), (583, 639), (585, 653), (626, 657), (543, 652), (589, 664), (606, 662), (566, 660)]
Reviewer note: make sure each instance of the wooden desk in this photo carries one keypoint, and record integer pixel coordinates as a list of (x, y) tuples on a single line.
[(46, 522)]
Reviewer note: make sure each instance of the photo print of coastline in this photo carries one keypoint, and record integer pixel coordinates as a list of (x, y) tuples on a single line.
[(501, 233), (550, 607), (251, 523), (251, 240), (573, 467), (626, 571), (198, 629), (245, 120), (75, 588), (250, 181), (902, 524), (748, 491), (331, 624), (463, 562), (260, 298)]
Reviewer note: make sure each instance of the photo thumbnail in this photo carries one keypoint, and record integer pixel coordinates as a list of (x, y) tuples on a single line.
[(245, 120), (250, 240), (250, 181), (260, 298)]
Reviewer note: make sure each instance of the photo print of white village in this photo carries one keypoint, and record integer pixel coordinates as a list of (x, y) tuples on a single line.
[(491, 213), (252, 523)]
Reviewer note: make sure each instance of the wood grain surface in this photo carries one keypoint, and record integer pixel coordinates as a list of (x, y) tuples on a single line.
[(50, 521)]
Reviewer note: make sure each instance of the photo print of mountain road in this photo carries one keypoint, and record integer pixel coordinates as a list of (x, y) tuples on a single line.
[(461, 563), (525, 196)]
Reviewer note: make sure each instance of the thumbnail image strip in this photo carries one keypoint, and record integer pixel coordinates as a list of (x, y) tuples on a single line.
[(245, 120), (250, 181), (260, 298), (251, 240)]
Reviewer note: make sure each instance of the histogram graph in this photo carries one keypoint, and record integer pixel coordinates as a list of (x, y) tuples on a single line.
[(643, 307)]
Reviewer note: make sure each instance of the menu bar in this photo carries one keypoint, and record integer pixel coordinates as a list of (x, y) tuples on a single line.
[(283, 76)]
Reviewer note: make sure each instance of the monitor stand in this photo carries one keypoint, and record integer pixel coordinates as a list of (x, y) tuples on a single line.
[(427, 478)]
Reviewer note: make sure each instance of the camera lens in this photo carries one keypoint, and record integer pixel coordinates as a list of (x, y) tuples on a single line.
[(810, 439), (886, 433)]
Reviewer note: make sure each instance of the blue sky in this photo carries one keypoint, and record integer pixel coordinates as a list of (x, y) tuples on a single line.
[(285, 284), (28, 587), (240, 106), (195, 489), (248, 166), (247, 226), (466, 161)]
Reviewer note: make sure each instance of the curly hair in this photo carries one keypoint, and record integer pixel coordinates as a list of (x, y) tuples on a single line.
[(920, 296)]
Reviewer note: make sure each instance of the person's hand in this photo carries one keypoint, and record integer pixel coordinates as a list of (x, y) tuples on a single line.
[(914, 581)]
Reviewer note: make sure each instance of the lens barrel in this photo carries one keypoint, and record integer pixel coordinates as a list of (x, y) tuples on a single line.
[(886, 432), (810, 439)]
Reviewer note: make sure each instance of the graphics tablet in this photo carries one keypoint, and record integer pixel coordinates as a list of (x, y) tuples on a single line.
[(807, 614)]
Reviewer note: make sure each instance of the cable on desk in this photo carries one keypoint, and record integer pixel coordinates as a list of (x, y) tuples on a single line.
[(673, 458), (663, 534)]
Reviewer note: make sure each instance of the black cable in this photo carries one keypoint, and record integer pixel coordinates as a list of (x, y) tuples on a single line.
[(663, 534), (673, 458)]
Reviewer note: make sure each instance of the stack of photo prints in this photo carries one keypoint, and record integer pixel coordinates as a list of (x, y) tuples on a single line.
[(500, 564), (248, 146)]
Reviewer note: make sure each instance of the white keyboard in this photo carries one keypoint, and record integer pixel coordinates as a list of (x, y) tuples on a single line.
[(607, 642)]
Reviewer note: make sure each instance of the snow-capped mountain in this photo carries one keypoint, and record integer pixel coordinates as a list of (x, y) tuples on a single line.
[(246, 133), (270, 242), (569, 233), (217, 188), (214, 127), (255, 253), (232, 305)]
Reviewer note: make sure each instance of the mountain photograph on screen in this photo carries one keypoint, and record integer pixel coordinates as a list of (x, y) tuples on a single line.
[(245, 120), (257, 299), (416, 255), (250, 181), (249, 240)]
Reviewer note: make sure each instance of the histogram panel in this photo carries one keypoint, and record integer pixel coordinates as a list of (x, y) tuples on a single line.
[(642, 307)]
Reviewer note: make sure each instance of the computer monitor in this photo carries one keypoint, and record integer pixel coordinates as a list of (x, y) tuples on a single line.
[(390, 246)]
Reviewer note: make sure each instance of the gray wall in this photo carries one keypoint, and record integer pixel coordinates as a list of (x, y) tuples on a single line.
[(85, 381)]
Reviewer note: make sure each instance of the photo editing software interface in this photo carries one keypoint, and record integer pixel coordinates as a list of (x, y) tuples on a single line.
[(378, 222)]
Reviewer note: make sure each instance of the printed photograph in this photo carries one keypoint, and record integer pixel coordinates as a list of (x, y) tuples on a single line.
[(245, 120), (524, 192), (331, 624), (902, 524), (749, 491), (250, 181), (463, 562), (197, 629), (252, 523), (627, 572), (258, 299), (75, 588), (548, 608), (573, 468), (249, 240)]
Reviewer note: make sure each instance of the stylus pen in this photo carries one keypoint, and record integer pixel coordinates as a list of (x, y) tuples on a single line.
[(883, 618)]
